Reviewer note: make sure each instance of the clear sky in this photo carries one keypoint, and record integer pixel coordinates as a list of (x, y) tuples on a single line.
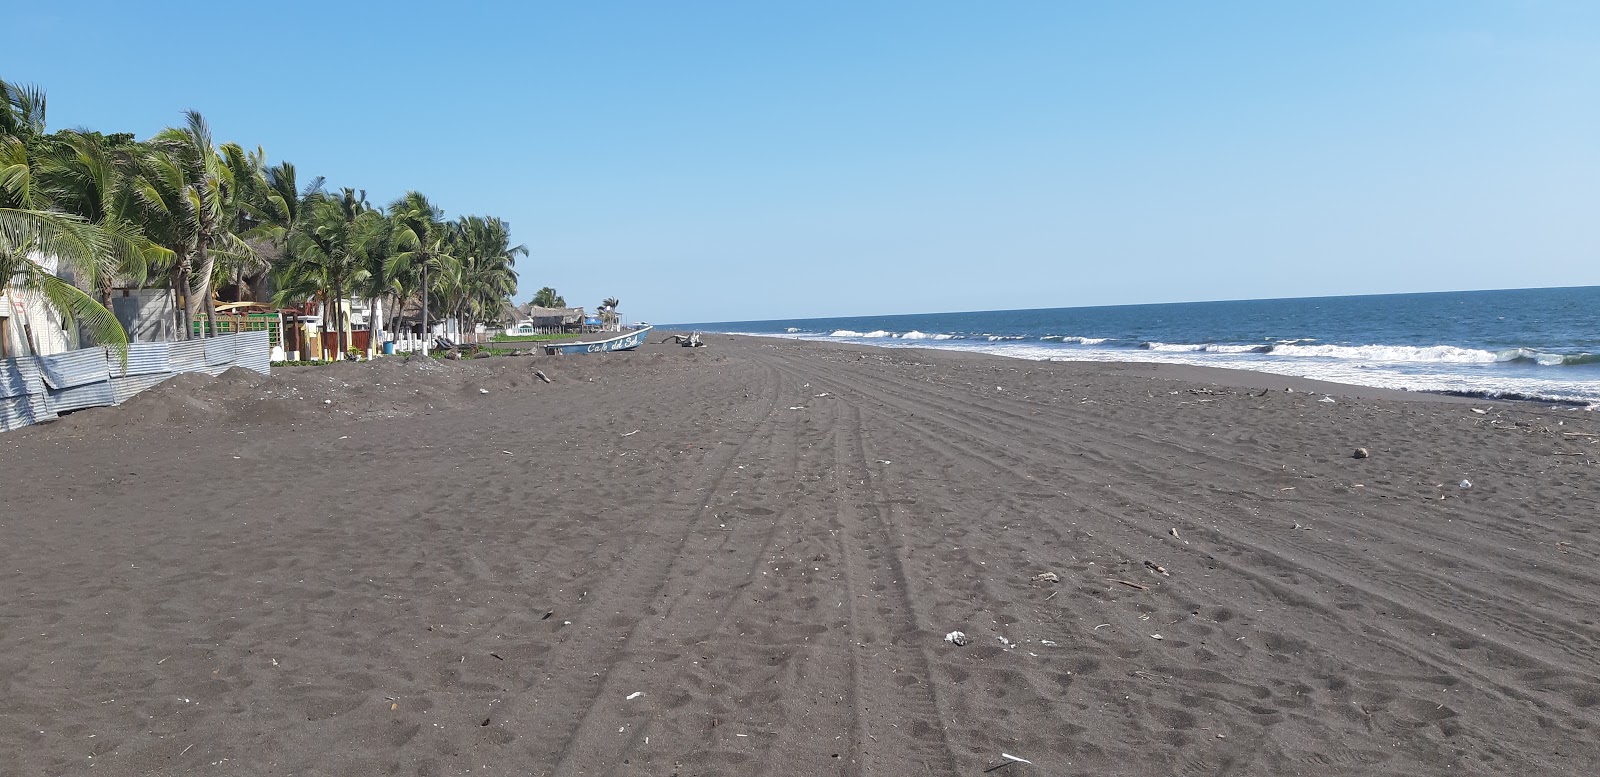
[(749, 160)]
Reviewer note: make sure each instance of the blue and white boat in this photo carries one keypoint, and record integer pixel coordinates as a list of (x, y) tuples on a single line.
[(626, 341)]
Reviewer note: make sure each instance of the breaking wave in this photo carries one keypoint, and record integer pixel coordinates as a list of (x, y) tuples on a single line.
[(1530, 356)]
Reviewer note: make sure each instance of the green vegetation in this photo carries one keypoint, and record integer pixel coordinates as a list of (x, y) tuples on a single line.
[(481, 353), (548, 298), (502, 338), (214, 221), (302, 363)]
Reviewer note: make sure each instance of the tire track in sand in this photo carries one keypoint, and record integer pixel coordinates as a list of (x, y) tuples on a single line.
[(633, 588), (897, 720), (1408, 579)]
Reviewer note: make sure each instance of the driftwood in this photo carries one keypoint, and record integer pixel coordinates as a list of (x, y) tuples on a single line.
[(691, 340)]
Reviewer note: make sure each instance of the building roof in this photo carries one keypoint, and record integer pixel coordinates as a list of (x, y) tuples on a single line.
[(564, 315)]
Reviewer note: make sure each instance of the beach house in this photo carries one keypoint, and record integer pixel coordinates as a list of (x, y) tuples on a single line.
[(532, 319)]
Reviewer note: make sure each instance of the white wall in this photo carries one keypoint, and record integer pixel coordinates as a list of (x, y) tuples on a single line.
[(27, 310)]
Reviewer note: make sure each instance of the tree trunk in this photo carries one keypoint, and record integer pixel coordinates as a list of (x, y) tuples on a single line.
[(425, 335), (375, 340), (186, 318), (344, 320), (177, 311), (202, 287), (399, 309)]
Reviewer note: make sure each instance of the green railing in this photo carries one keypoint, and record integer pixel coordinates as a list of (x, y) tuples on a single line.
[(271, 323)]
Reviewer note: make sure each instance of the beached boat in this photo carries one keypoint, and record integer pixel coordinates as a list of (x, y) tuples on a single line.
[(626, 341)]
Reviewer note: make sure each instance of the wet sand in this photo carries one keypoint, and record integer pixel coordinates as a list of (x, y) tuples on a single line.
[(743, 560)]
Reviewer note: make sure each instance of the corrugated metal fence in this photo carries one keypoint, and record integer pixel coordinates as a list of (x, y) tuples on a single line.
[(36, 388)]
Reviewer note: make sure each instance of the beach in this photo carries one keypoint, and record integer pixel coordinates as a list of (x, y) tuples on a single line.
[(745, 559)]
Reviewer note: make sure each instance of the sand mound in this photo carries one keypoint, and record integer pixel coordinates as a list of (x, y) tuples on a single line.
[(388, 388)]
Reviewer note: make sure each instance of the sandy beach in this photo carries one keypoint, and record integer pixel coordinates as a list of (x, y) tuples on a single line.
[(744, 560)]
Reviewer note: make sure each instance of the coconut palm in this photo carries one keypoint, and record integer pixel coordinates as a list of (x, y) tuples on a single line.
[(420, 242), (197, 208), (34, 235), (35, 242), (608, 310), (204, 215), (483, 277), (548, 298), (270, 206), (22, 111), (329, 253), (88, 175)]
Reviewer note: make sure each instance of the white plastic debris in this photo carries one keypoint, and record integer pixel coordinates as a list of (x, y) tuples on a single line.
[(1010, 757), (1465, 484), (956, 638), (1329, 400), (483, 391), (1480, 411), (327, 401), (635, 695)]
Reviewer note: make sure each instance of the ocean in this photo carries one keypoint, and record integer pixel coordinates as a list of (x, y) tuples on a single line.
[(1539, 344)]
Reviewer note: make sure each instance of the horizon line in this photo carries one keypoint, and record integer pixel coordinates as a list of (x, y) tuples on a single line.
[(1138, 304)]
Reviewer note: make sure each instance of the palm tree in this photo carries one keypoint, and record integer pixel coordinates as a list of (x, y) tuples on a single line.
[(420, 242), (548, 298), (88, 175), (483, 279), (21, 110), (32, 232), (270, 208), (608, 310), (329, 251), (31, 235), (375, 283), (198, 208)]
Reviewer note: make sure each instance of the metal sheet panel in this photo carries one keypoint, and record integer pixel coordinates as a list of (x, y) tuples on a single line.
[(255, 352), (187, 356), (14, 376), (17, 412), (22, 378), (143, 359), (75, 368), (80, 397), (126, 388), (220, 350)]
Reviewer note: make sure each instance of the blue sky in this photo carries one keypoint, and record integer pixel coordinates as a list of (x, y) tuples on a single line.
[(728, 161)]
